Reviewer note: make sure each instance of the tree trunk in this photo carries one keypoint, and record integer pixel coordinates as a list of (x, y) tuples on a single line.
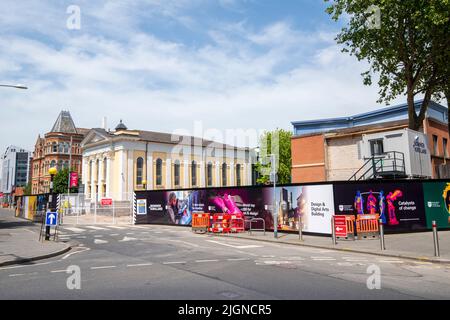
[(412, 116)]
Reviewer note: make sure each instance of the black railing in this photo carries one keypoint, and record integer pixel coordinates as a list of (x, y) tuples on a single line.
[(390, 164)]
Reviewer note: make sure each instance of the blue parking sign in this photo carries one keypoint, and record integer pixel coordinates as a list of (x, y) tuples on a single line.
[(51, 218)]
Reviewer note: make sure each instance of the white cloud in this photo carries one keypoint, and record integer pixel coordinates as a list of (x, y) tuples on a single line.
[(245, 78)]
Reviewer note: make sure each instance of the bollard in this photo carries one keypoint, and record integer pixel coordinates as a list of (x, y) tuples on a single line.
[(300, 227), (383, 246), (333, 230), (436, 240)]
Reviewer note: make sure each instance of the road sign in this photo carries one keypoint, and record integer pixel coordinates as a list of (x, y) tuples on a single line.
[(106, 202), (51, 218), (340, 226)]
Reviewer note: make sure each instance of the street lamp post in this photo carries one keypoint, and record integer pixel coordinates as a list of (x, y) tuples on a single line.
[(16, 86), (52, 171), (274, 204)]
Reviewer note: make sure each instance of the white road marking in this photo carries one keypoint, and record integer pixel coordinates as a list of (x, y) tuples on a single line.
[(204, 261), (96, 228), (98, 236), (238, 259), (58, 271), (74, 229), (83, 249), (99, 241), (103, 267), (125, 239), (175, 262), (114, 234), (17, 274), (391, 261), (80, 237), (188, 243), (130, 233), (234, 246), (117, 227), (139, 265)]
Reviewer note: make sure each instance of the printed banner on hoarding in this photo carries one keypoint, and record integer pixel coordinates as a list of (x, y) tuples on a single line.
[(400, 205), (73, 179), (313, 203), (437, 203)]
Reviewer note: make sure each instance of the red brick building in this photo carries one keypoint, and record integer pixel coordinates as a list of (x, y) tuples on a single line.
[(58, 148)]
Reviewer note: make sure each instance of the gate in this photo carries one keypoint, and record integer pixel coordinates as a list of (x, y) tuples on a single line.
[(77, 208)]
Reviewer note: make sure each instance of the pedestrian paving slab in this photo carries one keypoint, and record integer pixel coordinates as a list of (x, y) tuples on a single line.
[(19, 241), (417, 246)]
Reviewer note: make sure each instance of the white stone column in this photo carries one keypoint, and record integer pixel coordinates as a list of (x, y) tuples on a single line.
[(186, 174), (202, 174), (92, 160), (100, 179), (168, 174), (130, 171), (84, 174), (108, 177), (218, 176), (149, 172), (232, 174), (121, 166)]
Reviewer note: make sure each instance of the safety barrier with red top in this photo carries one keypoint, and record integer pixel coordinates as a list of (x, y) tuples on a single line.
[(350, 226), (226, 223), (367, 226)]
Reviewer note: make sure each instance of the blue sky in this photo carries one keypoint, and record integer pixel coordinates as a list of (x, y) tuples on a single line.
[(170, 65)]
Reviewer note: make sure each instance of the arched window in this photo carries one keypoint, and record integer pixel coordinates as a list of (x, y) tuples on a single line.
[(54, 147), (224, 174), (176, 173), (139, 170), (60, 165), (209, 174), (194, 173), (238, 175), (61, 147), (158, 172), (66, 148)]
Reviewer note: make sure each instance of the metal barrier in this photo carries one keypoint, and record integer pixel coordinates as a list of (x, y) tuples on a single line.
[(367, 226), (237, 224), (200, 222), (350, 223), (257, 219), (220, 223)]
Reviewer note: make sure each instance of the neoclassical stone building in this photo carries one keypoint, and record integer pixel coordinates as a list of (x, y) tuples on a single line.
[(115, 163)]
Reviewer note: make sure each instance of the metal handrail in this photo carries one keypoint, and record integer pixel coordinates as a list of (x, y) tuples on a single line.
[(257, 219), (390, 157)]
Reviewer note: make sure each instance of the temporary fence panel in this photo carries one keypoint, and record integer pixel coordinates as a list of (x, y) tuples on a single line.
[(367, 226), (200, 222), (81, 209)]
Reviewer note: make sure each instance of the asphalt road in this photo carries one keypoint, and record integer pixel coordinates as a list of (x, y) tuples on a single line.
[(158, 262)]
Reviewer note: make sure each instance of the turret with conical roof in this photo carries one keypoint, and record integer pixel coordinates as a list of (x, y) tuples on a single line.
[(64, 123)]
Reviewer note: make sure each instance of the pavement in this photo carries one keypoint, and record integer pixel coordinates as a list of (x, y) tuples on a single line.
[(121, 262), (19, 241), (416, 246)]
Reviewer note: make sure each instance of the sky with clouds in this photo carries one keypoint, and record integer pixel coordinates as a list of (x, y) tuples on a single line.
[(166, 65)]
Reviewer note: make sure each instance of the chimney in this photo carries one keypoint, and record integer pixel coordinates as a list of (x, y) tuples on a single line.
[(104, 123)]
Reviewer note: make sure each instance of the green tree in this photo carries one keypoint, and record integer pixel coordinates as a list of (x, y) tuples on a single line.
[(282, 150), (61, 182), (399, 47), (27, 189)]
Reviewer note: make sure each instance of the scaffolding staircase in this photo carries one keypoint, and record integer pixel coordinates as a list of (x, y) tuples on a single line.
[(389, 165)]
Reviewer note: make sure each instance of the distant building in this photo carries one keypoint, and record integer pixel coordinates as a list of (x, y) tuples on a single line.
[(15, 164), (117, 163), (335, 149), (56, 149)]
